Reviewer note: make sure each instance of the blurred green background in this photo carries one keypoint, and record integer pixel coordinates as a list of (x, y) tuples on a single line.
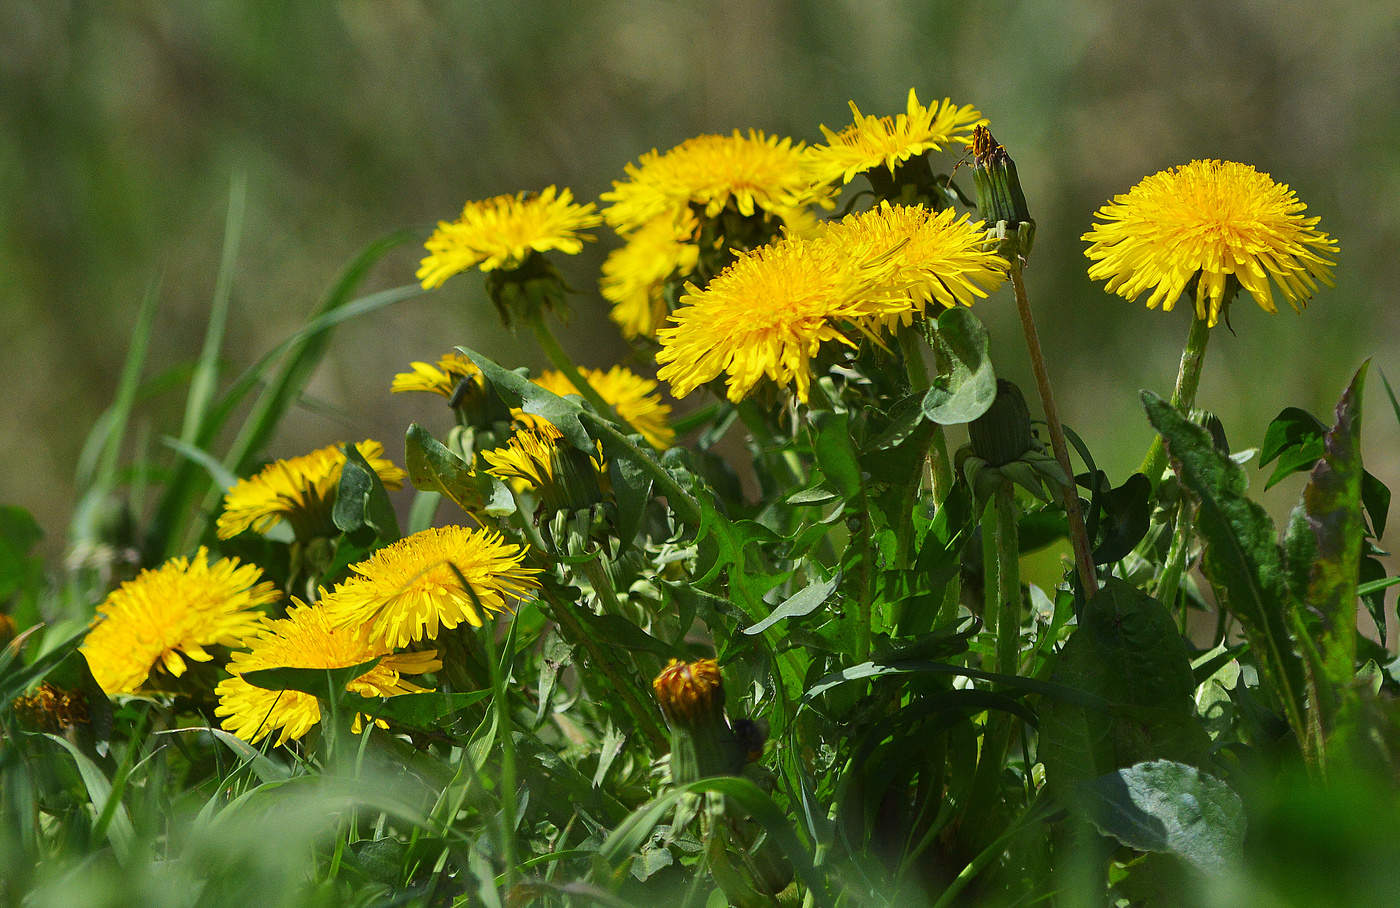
[(125, 122)]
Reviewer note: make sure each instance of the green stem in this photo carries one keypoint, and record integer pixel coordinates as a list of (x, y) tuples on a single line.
[(506, 734), (1188, 379), (1175, 563), (1083, 558), (561, 361), (1008, 553)]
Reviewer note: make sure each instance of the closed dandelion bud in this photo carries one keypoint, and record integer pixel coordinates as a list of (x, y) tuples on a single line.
[(691, 696), (999, 195), (1003, 433)]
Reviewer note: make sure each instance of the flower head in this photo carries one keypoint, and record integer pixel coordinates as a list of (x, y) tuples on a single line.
[(871, 141), (306, 638), (442, 378), (51, 709), (635, 275), (767, 315), (754, 173), (300, 490), (689, 690), (502, 232), (537, 457), (637, 400), (171, 613), (920, 255), (1212, 219), (406, 590)]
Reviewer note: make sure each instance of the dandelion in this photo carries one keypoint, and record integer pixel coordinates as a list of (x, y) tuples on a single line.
[(300, 490), (636, 400), (408, 589), (921, 255), (442, 378), (501, 233), (306, 638), (537, 457), (51, 709), (755, 174), (1209, 220), (689, 690), (634, 276), (767, 315), (871, 141), (171, 613)]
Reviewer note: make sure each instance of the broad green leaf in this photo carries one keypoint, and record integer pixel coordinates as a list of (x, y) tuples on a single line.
[(1295, 439), (803, 602), (1126, 513), (615, 630), (631, 487), (1128, 652), (1242, 558), (1324, 540), (432, 467), (361, 499), (319, 682), (1375, 498), (836, 456), (1171, 807), (518, 391), (966, 385), (421, 711)]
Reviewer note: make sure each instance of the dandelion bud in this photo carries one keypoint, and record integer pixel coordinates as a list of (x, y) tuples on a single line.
[(1003, 433), (999, 195), (691, 696)]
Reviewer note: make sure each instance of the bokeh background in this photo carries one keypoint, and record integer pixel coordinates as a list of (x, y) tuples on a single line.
[(124, 123)]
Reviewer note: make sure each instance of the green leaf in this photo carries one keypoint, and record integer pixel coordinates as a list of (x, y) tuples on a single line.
[(432, 467), (1127, 652), (1126, 514), (631, 487), (518, 391), (99, 788), (803, 602), (966, 385), (1330, 515), (323, 683), (628, 837), (361, 499), (618, 631), (1170, 807), (266, 769), (421, 711), (1375, 498), (1295, 438), (1242, 558), (835, 454)]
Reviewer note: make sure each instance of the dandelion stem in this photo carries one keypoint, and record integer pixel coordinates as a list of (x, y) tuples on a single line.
[(1188, 379), (1083, 559), (505, 732)]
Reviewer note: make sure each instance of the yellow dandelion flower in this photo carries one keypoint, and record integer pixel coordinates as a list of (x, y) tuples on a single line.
[(871, 141), (921, 255), (306, 638), (300, 490), (767, 314), (538, 458), (636, 400), (441, 378), (406, 590), (754, 173), (635, 275), (171, 613), (1213, 219), (501, 232)]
